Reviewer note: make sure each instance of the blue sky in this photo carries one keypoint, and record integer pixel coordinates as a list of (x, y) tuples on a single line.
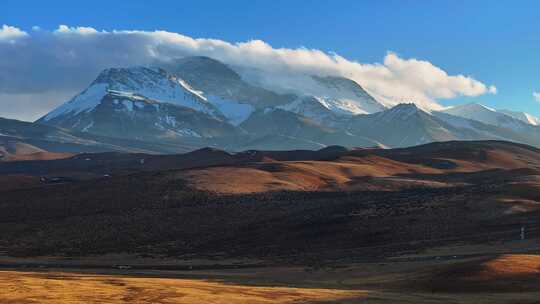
[(496, 42)]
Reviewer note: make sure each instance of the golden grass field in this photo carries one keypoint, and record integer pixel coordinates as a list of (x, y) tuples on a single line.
[(58, 287), (499, 279)]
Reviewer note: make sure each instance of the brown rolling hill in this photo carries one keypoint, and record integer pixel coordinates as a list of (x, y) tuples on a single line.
[(295, 205), (14, 149), (432, 165), (501, 273)]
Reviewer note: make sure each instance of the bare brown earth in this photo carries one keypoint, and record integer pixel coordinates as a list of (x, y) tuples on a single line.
[(14, 150)]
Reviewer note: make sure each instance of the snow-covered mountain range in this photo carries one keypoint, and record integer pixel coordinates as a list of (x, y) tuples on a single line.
[(500, 118), (525, 117), (200, 101)]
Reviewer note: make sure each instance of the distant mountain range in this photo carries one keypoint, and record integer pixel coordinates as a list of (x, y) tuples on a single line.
[(198, 101)]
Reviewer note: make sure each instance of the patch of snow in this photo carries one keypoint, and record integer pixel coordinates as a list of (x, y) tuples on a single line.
[(342, 106), (188, 88), (188, 132), (234, 111), (90, 125), (313, 108), (170, 120)]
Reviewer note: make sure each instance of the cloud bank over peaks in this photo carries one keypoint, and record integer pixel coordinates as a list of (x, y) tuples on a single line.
[(68, 58)]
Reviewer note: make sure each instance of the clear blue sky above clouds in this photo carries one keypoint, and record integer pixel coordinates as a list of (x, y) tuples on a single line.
[(496, 42)]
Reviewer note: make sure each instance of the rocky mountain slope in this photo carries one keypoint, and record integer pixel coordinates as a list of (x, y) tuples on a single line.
[(19, 138)]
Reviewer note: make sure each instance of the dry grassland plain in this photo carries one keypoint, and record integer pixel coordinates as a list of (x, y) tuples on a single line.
[(499, 279)]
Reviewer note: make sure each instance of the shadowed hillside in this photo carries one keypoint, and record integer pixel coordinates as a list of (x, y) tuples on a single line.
[(297, 205)]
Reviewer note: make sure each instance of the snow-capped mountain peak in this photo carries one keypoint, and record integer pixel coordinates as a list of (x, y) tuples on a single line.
[(330, 99), (152, 83), (523, 116), (484, 114), (402, 111), (344, 96)]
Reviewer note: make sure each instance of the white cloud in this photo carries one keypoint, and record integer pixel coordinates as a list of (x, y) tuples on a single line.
[(536, 96), (68, 58), (83, 30), (11, 34)]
